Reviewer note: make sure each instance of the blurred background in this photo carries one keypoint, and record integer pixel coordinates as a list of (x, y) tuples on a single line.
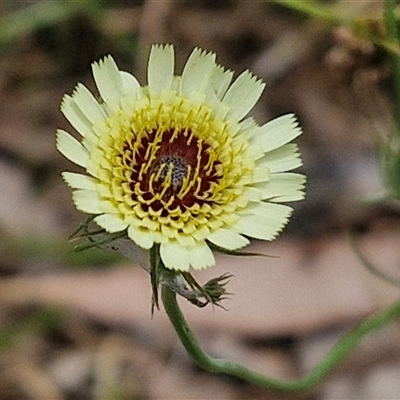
[(78, 325)]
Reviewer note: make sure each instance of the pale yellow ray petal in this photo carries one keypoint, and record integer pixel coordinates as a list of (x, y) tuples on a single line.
[(277, 132), (174, 256), (75, 116), (260, 227), (282, 159), (197, 72), (160, 70), (130, 83), (243, 94), (87, 201), (261, 174), (249, 127), (270, 210), (283, 187), (228, 239), (185, 240), (253, 193), (201, 256), (71, 149), (142, 237), (108, 79), (87, 103), (111, 223), (220, 80), (79, 181)]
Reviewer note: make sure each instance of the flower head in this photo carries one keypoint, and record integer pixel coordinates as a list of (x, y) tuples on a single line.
[(176, 163)]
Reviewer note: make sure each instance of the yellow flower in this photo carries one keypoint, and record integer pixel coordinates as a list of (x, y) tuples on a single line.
[(176, 163)]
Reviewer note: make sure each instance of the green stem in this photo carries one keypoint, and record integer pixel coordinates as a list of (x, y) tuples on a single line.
[(368, 264), (394, 37), (339, 352), (312, 9)]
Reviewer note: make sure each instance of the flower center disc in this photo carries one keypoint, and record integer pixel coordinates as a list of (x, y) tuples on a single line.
[(176, 165), (170, 171)]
